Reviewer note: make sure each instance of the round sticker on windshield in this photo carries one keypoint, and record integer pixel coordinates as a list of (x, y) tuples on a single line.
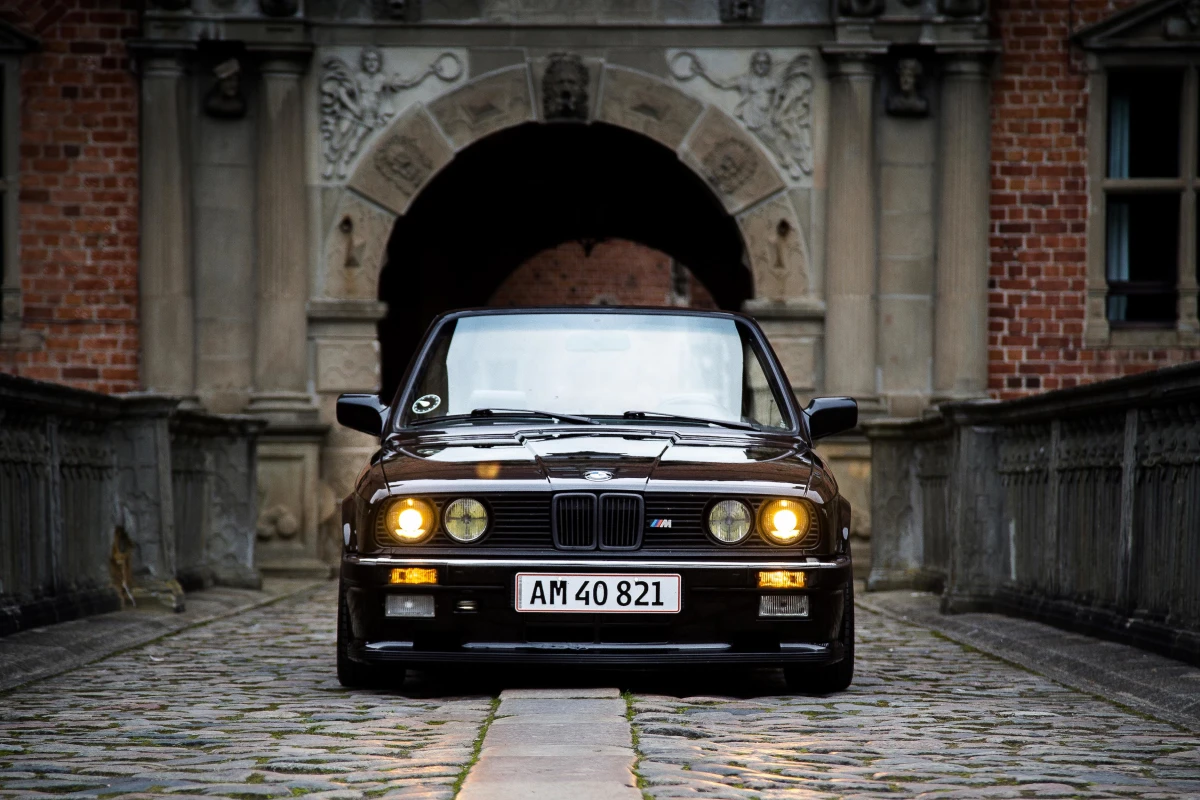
[(424, 405)]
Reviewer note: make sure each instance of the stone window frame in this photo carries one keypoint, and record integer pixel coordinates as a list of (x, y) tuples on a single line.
[(1098, 330)]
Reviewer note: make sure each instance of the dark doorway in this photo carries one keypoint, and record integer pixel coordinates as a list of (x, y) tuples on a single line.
[(522, 190)]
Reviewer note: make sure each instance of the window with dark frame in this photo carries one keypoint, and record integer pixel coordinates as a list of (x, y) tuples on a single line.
[(1145, 188)]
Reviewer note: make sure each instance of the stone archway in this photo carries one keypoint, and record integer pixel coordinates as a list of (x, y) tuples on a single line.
[(405, 157)]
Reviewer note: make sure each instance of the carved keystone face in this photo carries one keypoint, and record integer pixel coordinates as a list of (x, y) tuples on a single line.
[(371, 61)]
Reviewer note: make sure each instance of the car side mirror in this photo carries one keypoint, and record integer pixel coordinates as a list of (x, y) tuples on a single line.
[(830, 415), (362, 412)]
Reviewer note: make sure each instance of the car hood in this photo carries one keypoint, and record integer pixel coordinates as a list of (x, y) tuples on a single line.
[(597, 461)]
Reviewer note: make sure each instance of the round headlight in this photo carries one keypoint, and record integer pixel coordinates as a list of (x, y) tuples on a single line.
[(465, 520), (729, 521), (784, 521), (410, 520)]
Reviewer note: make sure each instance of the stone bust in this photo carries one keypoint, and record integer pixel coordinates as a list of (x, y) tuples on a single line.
[(225, 100), (907, 100)]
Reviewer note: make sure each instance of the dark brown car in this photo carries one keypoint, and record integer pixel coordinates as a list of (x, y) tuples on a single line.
[(601, 486)]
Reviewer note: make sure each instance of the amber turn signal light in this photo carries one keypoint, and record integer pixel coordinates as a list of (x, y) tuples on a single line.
[(781, 579), (414, 575)]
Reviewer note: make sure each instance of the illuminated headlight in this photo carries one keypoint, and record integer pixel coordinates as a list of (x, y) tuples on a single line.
[(784, 521), (729, 521), (465, 520), (410, 520)]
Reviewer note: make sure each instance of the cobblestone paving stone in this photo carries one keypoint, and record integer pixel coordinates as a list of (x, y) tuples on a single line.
[(246, 708), (924, 718)]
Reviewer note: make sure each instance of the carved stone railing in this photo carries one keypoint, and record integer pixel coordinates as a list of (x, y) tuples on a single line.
[(1080, 507), (108, 501)]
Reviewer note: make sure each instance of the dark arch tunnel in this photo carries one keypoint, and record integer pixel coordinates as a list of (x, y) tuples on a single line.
[(522, 190)]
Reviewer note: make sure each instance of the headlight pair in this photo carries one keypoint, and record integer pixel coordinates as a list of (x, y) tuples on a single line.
[(781, 521), (412, 520)]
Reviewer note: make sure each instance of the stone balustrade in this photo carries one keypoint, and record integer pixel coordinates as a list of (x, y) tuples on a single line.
[(110, 501), (1080, 507)]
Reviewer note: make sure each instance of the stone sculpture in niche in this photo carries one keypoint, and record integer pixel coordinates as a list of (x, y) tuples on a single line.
[(906, 100), (1185, 26), (741, 10), (777, 108), (225, 99), (354, 105), (565, 88)]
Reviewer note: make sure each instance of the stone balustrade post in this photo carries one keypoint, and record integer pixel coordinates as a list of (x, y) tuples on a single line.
[(960, 311)]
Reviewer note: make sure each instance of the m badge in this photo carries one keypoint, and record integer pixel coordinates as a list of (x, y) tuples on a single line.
[(660, 523)]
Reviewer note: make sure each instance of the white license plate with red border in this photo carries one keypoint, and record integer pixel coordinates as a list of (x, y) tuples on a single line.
[(597, 593)]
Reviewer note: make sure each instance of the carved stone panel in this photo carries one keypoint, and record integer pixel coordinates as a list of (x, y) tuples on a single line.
[(355, 250), (644, 104), (496, 101), (404, 158), (347, 365), (738, 171), (286, 525), (778, 251)]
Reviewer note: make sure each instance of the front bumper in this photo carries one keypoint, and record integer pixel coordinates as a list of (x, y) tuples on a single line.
[(718, 623)]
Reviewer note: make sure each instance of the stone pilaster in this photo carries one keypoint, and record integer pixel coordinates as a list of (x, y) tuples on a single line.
[(281, 342), (852, 230), (168, 332), (960, 311)]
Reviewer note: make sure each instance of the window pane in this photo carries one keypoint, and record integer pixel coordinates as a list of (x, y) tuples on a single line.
[(1141, 258), (1143, 124)]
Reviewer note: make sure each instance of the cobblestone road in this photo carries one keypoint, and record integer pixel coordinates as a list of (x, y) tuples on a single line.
[(924, 718), (249, 708)]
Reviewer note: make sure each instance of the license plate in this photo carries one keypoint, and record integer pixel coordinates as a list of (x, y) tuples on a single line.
[(598, 593)]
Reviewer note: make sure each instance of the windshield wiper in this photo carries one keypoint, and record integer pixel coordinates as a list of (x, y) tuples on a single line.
[(529, 412), (744, 426)]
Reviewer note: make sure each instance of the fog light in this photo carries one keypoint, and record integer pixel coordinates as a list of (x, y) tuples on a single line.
[(783, 605), (416, 575), (781, 579), (409, 605)]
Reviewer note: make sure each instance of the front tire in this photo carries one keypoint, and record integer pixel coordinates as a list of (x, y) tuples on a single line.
[(354, 674), (829, 678)]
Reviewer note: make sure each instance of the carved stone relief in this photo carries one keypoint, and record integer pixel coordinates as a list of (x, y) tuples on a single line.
[(906, 98), (565, 88), (347, 366), (225, 99), (647, 105), (777, 249), (402, 161), (732, 163), (354, 250), (354, 103), (774, 102), (497, 101)]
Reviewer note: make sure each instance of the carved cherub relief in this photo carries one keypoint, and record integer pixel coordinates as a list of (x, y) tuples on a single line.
[(355, 104), (774, 105)]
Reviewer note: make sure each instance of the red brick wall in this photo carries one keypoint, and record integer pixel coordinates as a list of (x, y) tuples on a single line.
[(618, 272), (1039, 207), (79, 194)]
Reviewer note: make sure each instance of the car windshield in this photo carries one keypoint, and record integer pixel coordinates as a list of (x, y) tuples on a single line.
[(580, 368)]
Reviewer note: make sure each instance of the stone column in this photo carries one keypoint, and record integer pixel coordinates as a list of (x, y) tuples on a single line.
[(960, 309), (281, 339), (851, 242), (167, 316)]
